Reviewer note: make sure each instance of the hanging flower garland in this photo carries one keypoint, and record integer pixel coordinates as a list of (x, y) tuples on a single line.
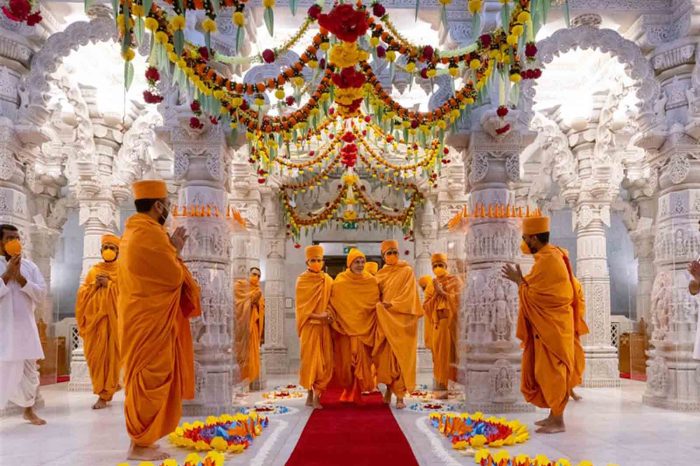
[(212, 458), (339, 21)]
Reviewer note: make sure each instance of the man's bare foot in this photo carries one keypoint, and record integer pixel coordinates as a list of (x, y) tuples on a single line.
[(553, 428), (31, 416), (387, 396), (575, 396), (441, 395), (99, 404), (399, 403), (544, 422), (316, 403), (310, 398), (147, 453)]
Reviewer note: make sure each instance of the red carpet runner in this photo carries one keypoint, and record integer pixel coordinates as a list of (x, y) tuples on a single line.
[(348, 434)]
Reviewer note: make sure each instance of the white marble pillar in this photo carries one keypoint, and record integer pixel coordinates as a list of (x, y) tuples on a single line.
[(274, 351), (491, 364), (200, 168), (426, 244)]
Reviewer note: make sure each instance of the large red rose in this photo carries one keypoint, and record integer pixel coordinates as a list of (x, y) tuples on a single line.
[(345, 22), (348, 77), (18, 10)]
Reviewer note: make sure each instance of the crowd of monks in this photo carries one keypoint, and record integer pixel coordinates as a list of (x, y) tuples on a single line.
[(358, 330)]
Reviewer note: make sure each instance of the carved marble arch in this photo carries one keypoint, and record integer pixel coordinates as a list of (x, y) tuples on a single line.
[(636, 66), (556, 163), (35, 87)]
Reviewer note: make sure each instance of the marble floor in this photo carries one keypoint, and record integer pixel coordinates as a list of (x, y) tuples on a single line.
[(608, 426)]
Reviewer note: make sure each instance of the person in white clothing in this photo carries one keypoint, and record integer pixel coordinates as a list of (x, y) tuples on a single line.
[(694, 288), (22, 288)]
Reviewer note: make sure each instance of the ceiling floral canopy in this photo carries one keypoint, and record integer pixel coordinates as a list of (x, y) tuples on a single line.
[(344, 111)]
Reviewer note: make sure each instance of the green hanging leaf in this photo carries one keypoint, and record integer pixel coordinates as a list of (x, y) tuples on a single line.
[(293, 7), (567, 14), (392, 72), (443, 17), (544, 7), (476, 26), (269, 21), (215, 7), (115, 8), (179, 41), (128, 74), (240, 35), (147, 6), (88, 3), (139, 30), (207, 40), (417, 8), (505, 17)]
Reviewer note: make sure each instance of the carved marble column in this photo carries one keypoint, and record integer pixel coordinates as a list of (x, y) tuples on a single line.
[(491, 364), (426, 244), (274, 351), (643, 240), (673, 377), (200, 168)]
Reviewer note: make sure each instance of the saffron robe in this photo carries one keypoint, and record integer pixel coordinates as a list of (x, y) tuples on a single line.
[(546, 330), (428, 323), (444, 312), (313, 294), (580, 329), (157, 297), (96, 315), (396, 341), (354, 299), (249, 318)]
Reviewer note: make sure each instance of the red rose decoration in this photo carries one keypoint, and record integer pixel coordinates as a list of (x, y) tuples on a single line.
[(195, 123), (18, 10), (530, 50), (314, 11), (446, 151), (368, 119), (214, 120), (297, 246), (428, 52), (502, 111), (152, 74), (34, 18), (378, 10), (268, 56), (424, 73), (348, 77), (381, 52), (485, 40), (414, 124), (289, 100), (346, 23), (204, 53), (348, 137), (151, 98), (503, 130), (536, 73)]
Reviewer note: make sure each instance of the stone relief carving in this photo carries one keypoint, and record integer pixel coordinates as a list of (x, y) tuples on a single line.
[(606, 40), (47, 60)]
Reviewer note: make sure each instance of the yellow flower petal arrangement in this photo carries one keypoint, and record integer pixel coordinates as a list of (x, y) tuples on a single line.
[(503, 458), (213, 458), (226, 433), (476, 430)]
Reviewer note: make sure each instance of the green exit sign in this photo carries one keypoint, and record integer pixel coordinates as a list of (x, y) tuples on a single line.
[(346, 249)]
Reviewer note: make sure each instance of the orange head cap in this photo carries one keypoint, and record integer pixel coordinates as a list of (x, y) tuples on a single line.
[(535, 225), (150, 189)]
